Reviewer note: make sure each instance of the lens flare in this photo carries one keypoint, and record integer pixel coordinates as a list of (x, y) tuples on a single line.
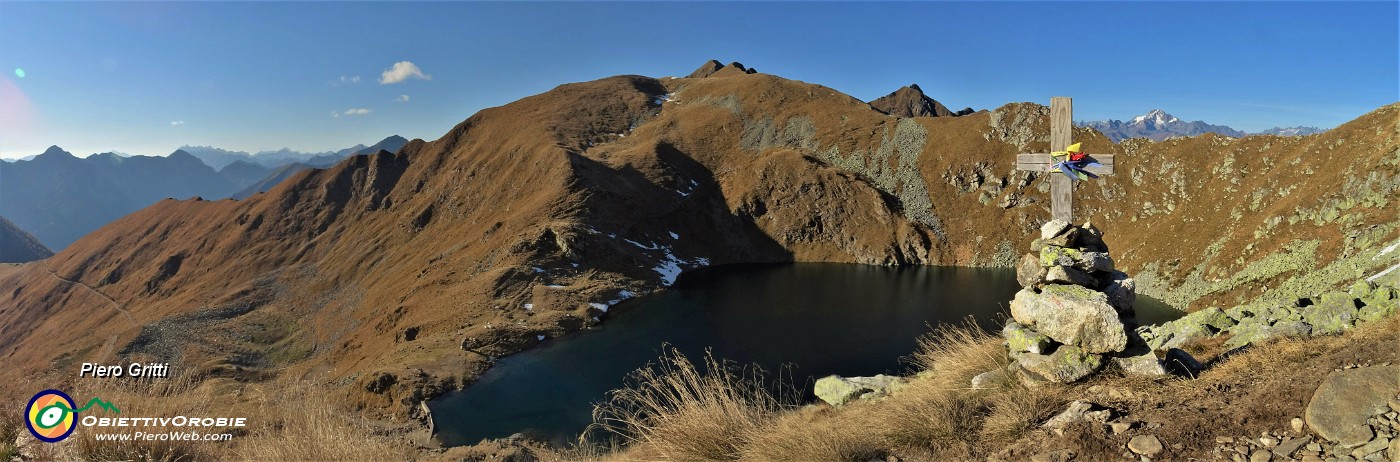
[(19, 72)]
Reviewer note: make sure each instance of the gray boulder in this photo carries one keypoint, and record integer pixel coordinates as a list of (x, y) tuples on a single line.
[(1066, 364), (1095, 261), (1121, 292), (1029, 272), (1339, 408), (837, 390), (1071, 315)]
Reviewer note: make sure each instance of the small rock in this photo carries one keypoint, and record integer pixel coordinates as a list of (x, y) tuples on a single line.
[(1066, 365), (1394, 450), (1120, 427), (1053, 228), (1029, 272), (1314, 447), (1296, 424), (1286, 448), (1078, 411), (1312, 458), (1224, 439), (1146, 445), (1261, 456), (989, 379), (837, 390), (1144, 362), (1376, 445), (1268, 442)]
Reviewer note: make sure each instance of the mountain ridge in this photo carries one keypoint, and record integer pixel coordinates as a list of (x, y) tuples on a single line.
[(1158, 125), (574, 199)]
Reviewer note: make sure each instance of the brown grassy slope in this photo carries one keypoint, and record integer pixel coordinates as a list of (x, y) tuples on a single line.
[(392, 263)]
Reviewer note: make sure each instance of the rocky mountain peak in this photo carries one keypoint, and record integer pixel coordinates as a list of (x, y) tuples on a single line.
[(910, 101)]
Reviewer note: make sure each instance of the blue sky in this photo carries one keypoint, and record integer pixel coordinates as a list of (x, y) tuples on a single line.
[(145, 78)]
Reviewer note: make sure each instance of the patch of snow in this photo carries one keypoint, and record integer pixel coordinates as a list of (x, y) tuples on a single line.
[(669, 269), (575, 265), (639, 245), (1387, 250), (539, 337), (626, 294), (529, 306), (537, 269), (702, 261), (674, 235), (600, 306), (1382, 273), (554, 286)]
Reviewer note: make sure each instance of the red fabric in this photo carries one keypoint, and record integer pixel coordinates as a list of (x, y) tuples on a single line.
[(1076, 156)]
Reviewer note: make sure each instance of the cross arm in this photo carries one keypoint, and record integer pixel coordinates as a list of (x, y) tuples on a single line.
[(1041, 162)]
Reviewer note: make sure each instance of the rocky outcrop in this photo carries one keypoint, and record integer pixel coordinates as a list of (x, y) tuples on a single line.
[(1074, 311), (911, 101), (1328, 314)]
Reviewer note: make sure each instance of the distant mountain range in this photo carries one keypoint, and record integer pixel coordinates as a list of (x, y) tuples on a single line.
[(220, 158), (59, 197), (1158, 125)]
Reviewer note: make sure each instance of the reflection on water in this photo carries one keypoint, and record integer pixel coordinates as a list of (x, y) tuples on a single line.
[(815, 318)]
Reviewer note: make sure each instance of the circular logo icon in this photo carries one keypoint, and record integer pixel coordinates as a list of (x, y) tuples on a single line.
[(50, 416)]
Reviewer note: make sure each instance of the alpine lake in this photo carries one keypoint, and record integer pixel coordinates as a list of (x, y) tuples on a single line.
[(802, 321)]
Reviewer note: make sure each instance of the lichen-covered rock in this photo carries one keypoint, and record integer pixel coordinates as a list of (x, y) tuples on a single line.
[(1029, 272), (837, 390), (1066, 364), (1058, 256), (1069, 275), (1333, 314), (1020, 338), (1071, 315), (1212, 317)]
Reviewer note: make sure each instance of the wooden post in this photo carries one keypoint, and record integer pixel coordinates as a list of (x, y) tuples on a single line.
[(1061, 134), (1061, 187)]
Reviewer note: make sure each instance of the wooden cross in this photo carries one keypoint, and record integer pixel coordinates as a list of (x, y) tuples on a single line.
[(1061, 187)]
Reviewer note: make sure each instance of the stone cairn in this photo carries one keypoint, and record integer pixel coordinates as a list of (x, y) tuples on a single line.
[(1074, 312)]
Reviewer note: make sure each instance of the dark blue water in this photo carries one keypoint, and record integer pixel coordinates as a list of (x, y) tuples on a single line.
[(815, 318)]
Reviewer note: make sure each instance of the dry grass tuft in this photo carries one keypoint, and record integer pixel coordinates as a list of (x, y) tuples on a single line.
[(300, 422), (814, 434), (1017, 408), (685, 413), (11, 424)]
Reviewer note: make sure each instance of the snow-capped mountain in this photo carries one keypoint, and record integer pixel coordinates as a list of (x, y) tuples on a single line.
[(1156, 125), (1292, 131)]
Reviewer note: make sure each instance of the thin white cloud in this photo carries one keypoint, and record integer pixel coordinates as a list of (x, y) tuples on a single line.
[(402, 71), (402, 98), (177, 123), (351, 112), (354, 79)]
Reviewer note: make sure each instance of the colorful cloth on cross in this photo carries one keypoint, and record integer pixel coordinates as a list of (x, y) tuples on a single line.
[(1073, 162)]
